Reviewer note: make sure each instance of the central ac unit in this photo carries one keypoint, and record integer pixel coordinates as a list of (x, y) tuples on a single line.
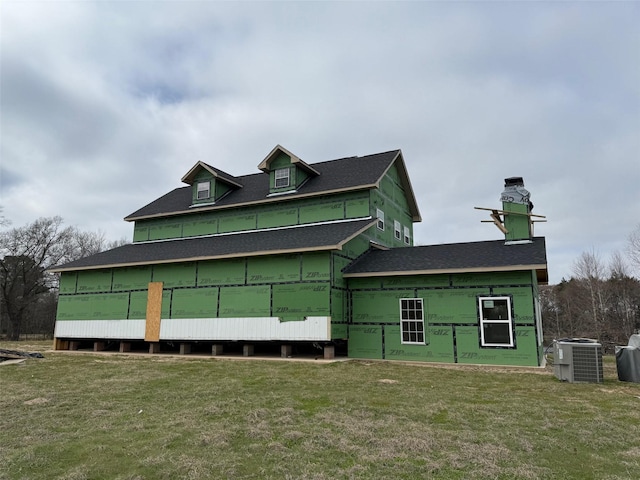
[(578, 360)]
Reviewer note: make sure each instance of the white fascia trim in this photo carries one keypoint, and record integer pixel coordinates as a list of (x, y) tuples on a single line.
[(277, 194)]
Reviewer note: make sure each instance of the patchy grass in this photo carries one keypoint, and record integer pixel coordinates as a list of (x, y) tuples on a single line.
[(92, 416)]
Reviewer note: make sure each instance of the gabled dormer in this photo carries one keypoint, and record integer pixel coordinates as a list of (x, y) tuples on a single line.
[(208, 184), (286, 171)]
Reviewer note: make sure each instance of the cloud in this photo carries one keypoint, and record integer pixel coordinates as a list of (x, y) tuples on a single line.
[(105, 105)]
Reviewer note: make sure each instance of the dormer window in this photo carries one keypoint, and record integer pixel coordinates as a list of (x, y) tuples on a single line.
[(282, 178), (204, 190), (287, 173)]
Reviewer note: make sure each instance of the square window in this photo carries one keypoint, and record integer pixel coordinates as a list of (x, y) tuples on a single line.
[(282, 178), (204, 190)]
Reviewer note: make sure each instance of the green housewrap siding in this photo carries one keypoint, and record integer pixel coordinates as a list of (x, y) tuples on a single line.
[(222, 272), (94, 281), (131, 278), (194, 302), (451, 320), (103, 306), (248, 301), (290, 287), (270, 215), (391, 199), (296, 301)]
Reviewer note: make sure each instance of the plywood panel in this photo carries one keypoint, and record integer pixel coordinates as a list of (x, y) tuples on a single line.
[(194, 303), (365, 341), (315, 266), (277, 218), (452, 305), (358, 207), (175, 274), (94, 281), (68, 282), (271, 269), (469, 350), (154, 311), (221, 272), (491, 278), (438, 349), (296, 301), (200, 226), (131, 278), (252, 301), (378, 306), (93, 306), (322, 212)]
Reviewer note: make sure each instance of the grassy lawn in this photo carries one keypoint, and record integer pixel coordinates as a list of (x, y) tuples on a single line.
[(92, 416)]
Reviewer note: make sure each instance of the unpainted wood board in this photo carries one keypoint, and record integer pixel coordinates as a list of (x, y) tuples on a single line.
[(154, 311)]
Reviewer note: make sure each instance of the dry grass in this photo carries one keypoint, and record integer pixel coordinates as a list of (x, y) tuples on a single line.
[(138, 417)]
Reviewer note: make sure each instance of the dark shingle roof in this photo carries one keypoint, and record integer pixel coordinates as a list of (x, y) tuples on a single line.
[(326, 236), (348, 173), (493, 255)]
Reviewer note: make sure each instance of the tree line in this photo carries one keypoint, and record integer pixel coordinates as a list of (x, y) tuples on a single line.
[(28, 293), (600, 300)]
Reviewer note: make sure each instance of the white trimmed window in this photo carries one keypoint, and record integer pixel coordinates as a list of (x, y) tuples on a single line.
[(282, 178), (407, 236), (412, 321), (397, 230), (380, 217), (496, 322), (204, 190)]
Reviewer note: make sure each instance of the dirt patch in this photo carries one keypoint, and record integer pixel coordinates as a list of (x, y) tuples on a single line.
[(37, 401)]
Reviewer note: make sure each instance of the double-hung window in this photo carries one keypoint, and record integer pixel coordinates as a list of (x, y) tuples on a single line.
[(496, 322), (412, 321), (397, 229), (407, 236), (380, 217), (282, 178), (204, 190)]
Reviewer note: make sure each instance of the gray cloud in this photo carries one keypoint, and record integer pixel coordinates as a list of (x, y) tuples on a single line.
[(106, 105)]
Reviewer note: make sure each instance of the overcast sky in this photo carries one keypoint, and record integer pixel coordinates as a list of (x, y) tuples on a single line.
[(106, 105)]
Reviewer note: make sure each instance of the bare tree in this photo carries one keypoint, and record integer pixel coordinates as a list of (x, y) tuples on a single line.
[(633, 248), (3, 220), (25, 255), (590, 270)]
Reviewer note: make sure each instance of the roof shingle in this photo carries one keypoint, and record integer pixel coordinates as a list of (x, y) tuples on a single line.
[(454, 257), (325, 236)]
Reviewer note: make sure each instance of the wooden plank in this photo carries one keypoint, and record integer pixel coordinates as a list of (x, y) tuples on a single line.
[(154, 312), (504, 212)]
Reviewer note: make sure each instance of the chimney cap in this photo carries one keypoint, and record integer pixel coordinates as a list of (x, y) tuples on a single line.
[(512, 181)]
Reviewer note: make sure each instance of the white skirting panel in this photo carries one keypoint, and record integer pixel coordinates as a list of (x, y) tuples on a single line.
[(117, 329), (252, 328)]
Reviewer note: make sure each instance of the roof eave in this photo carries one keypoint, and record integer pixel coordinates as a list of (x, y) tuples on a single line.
[(540, 269), (189, 176), (406, 183)]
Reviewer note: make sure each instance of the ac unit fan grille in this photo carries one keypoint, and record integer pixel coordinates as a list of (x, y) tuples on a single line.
[(587, 364)]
